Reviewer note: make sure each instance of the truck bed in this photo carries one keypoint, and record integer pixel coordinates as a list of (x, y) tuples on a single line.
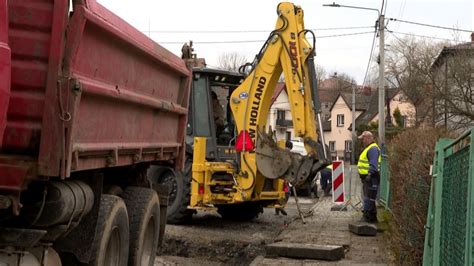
[(87, 91)]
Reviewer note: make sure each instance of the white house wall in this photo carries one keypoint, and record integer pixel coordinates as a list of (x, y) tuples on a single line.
[(281, 103), (340, 134)]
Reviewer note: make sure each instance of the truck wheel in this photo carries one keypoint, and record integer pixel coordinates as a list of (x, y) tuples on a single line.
[(143, 208), (112, 233), (179, 194), (240, 212)]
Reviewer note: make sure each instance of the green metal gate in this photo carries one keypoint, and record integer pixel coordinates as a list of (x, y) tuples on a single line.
[(384, 182), (449, 230)]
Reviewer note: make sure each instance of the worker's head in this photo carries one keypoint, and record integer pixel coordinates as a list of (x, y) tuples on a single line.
[(366, 137)]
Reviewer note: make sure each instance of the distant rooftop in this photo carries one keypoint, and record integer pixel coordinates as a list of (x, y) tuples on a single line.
[(451, 50)]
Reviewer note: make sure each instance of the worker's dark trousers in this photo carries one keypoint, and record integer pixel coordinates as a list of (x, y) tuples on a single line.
[(370, 190)]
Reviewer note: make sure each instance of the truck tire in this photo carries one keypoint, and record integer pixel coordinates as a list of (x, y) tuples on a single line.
[(179, 194), (143, 208), (111, 240), (240, 212)]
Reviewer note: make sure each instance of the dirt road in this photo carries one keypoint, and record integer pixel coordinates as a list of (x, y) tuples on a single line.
[(210, 240)]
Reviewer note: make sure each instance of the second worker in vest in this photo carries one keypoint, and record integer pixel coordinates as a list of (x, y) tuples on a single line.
[(369, 173)]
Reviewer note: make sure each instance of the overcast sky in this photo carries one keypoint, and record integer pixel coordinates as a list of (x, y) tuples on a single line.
[(166, 22)]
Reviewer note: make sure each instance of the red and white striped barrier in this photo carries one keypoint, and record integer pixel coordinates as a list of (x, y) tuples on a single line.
[(338, 190)]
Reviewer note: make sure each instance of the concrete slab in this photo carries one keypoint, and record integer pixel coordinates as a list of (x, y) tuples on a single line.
[(305, 251), (363, 229), (338, 238)]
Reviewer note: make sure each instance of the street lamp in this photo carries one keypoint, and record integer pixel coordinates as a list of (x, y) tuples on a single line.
[(381, 72), (355, 7)]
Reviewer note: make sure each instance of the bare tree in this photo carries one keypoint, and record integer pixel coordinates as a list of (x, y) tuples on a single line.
[(340, 82), (231, 61), (320, 73), (408, 64)]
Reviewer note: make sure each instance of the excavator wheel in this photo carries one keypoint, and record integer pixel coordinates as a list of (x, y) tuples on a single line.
[(240, 212), (179, 194)]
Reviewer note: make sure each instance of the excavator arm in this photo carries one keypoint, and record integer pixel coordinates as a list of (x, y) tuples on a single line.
[(257, 175), (286, 51)]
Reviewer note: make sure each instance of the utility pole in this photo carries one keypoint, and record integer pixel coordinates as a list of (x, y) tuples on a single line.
[(381, 81), (381, 68)]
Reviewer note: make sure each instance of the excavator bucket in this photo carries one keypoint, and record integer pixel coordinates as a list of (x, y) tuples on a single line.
[(275, 162), (272, 161)]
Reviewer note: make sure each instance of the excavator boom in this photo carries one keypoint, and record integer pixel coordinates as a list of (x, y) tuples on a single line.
[(285, 51)]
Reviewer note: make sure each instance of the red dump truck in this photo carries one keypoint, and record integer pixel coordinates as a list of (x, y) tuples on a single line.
[(87, 104)]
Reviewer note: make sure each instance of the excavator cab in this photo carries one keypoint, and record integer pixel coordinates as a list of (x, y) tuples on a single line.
[(209, 113)]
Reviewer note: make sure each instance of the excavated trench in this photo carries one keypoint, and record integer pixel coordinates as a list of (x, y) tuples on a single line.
[(211, 240), (228, 252)]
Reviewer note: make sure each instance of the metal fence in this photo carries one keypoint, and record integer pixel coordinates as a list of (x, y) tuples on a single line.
[(449, 236), (384, 198)]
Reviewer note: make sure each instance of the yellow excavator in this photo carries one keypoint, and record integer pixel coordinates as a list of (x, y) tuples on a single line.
[(241, 168), (257, 175)]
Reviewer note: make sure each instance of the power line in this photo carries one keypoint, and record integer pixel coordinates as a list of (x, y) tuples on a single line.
[(249, 31), (396, 37), (342, 35), (421, 36), (428, 25), (401, 11), (344, 28), (216, 42), (370, 59), (260, 41)]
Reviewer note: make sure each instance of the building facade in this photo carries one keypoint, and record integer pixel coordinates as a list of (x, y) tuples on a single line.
[(337, 119), (279, 116), (453, 87)]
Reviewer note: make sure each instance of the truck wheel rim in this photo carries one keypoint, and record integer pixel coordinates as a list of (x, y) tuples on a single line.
[(170, 182), (112, 254), (148, 242)]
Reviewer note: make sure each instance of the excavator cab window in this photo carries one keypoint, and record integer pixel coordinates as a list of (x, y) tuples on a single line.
[(200, 115), (209, 112), (201, 112)]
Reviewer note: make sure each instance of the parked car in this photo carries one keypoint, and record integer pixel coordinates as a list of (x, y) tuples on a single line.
[(297, 147)]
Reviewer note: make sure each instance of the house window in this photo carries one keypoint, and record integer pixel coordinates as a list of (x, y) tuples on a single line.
[(404, 121), (348, 146), (288, 135), (340, 120), (281, 114), (332, 146)]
